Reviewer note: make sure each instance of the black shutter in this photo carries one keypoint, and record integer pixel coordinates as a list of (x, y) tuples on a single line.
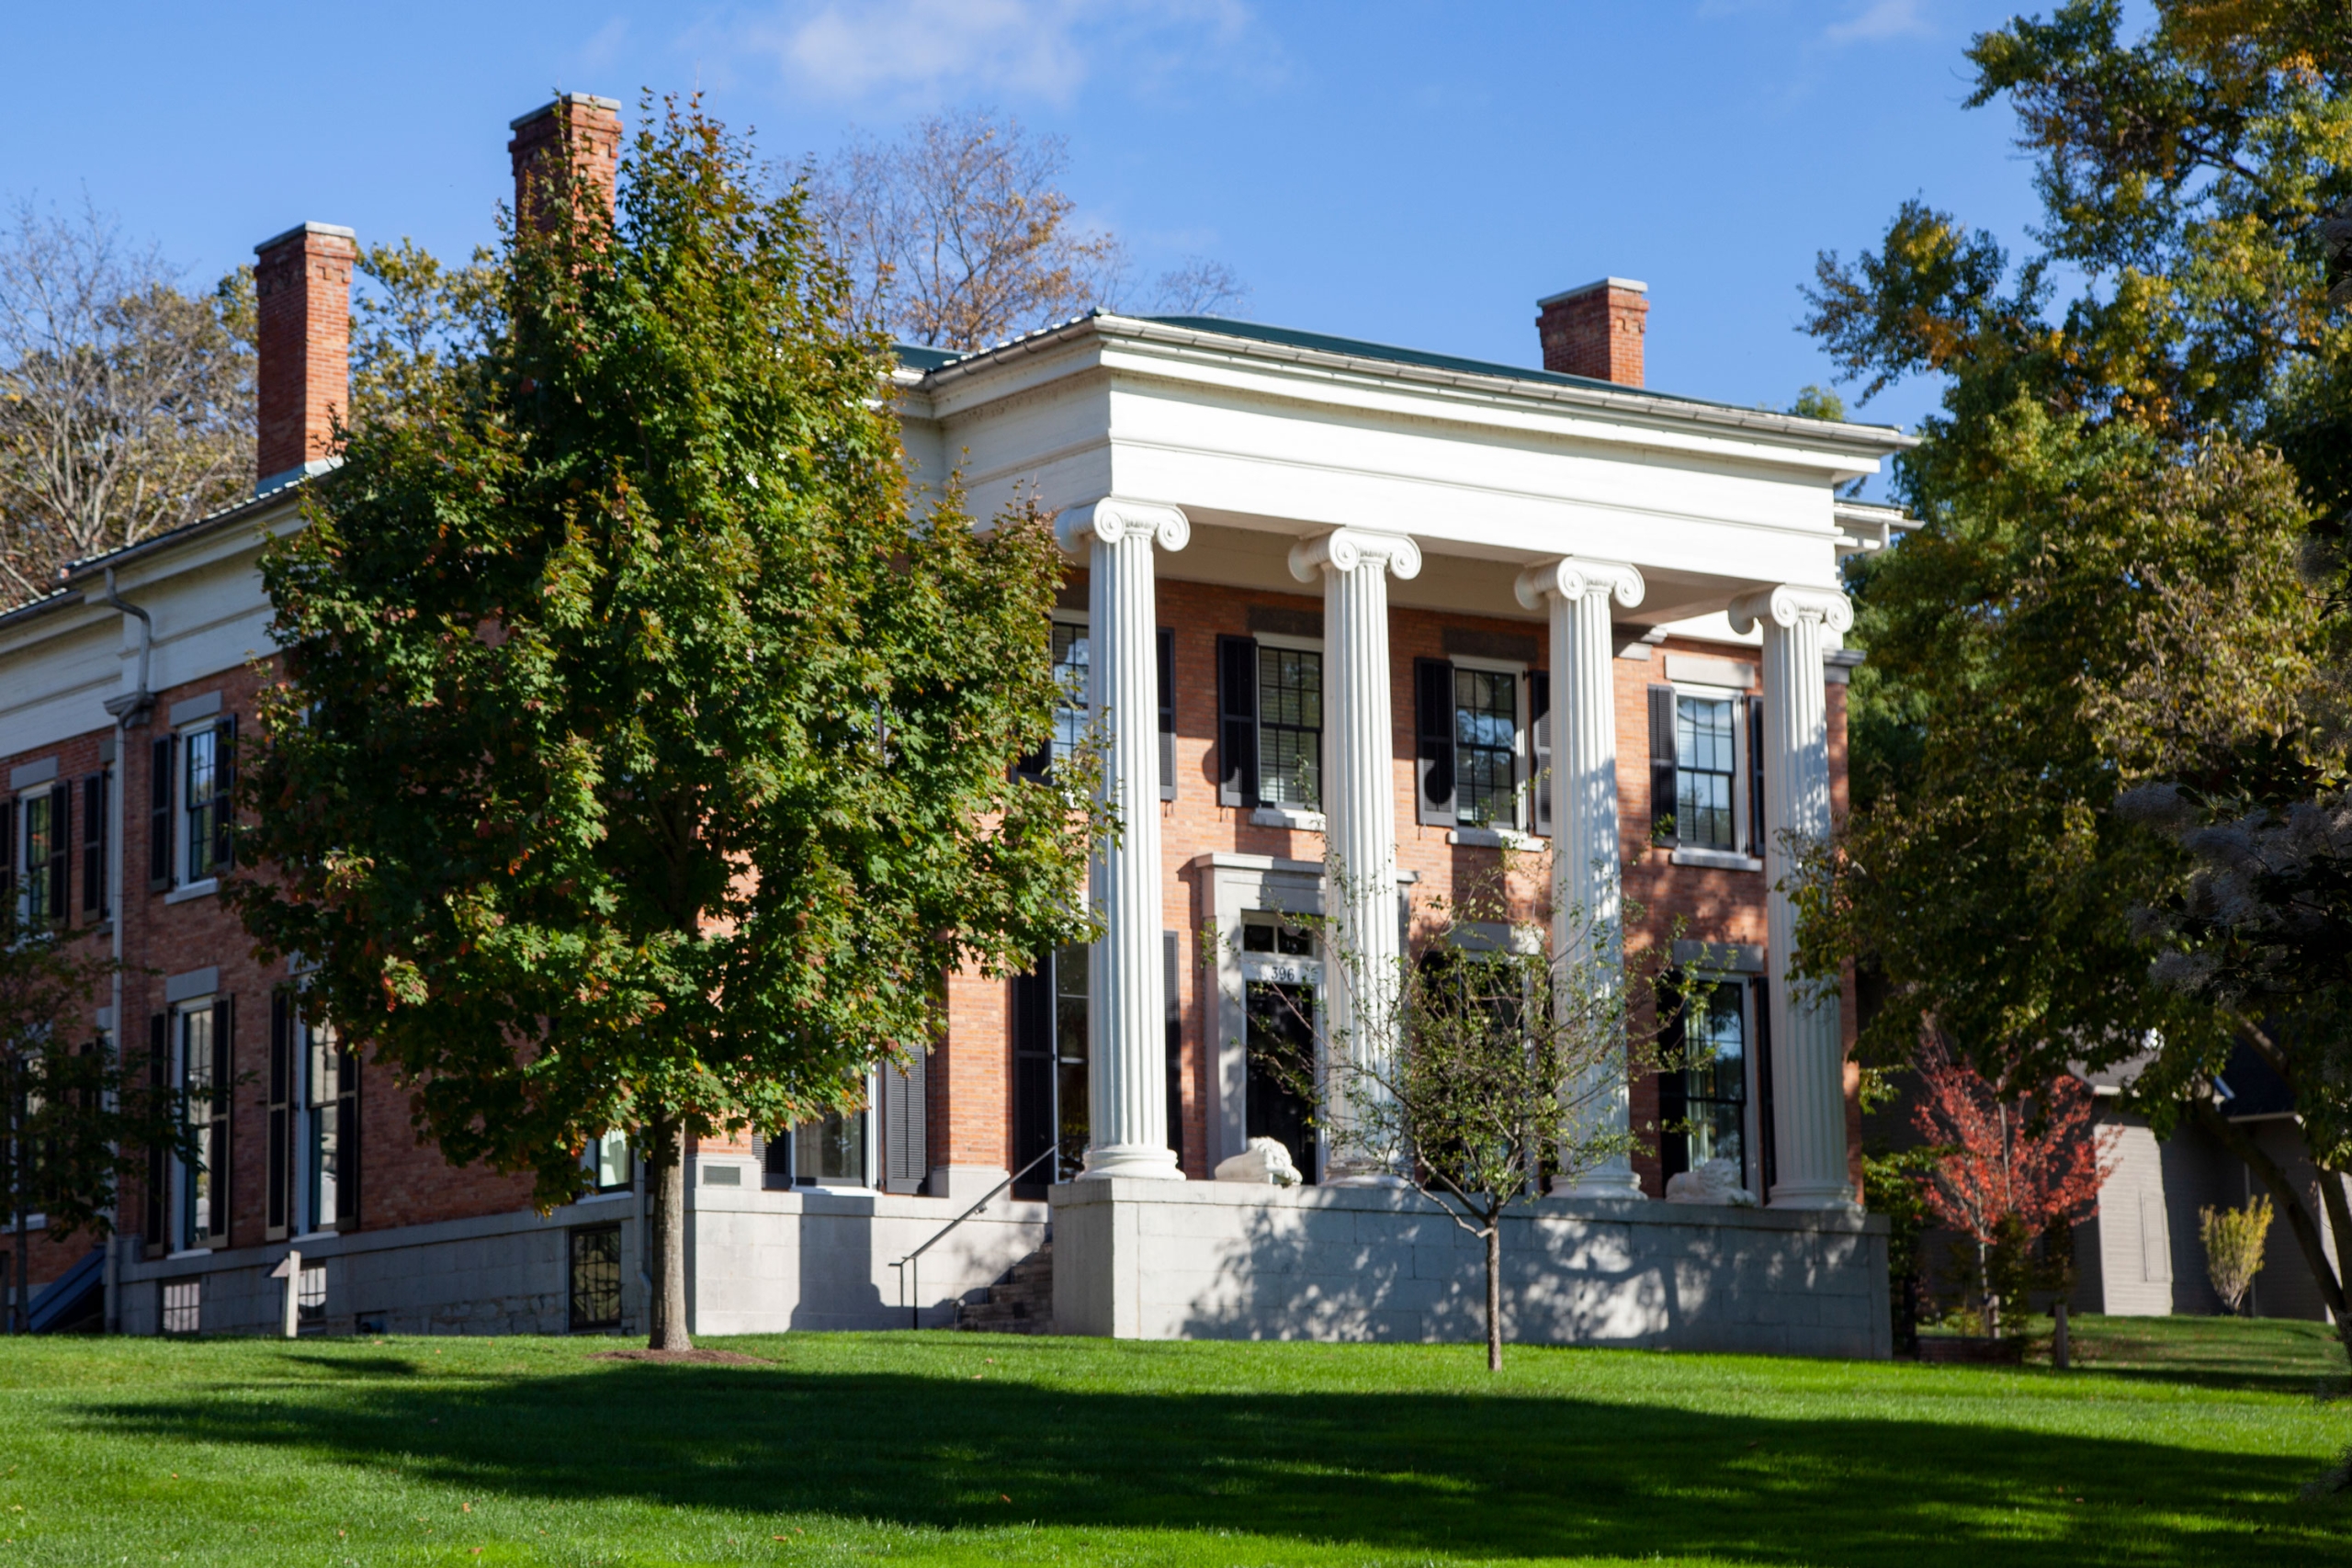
[(159, 815), (775, 1160), (281, 1114), (159, 1079), (1673, 1087), (1756, 835), (1759, 1001), (1539, 745), (906, 1155), (97, 822), (9, 850), (1175, 1006), (1433, 799), (346, 1140), (1034, 1128), (1167, 714), (1662, 768), (224, 789), (224, 1097), (60, 800), (1237, 721)]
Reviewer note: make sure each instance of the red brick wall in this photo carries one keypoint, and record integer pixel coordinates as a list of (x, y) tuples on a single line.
[(400, 1182), (49, 1254)]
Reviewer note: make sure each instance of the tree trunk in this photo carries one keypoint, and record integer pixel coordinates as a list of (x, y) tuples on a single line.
[(2060, 1347), (1494, 1295), (2289, 1204), (665, 1179)]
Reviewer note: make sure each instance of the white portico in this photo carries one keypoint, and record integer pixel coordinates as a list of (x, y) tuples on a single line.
[(1529, 535)]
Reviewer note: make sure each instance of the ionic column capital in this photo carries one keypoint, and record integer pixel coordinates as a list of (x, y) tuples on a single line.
[(1112, 519), (1571, 578), (1345, 549), (1789, 602)]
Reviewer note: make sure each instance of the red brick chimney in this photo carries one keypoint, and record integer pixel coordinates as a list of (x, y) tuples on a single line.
[(302, 349), (587, 128), (1596, 330)]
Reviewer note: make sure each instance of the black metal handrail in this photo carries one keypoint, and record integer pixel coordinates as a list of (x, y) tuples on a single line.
[(914, 1312)]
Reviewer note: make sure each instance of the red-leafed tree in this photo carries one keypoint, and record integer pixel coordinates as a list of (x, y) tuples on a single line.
[(2017, 1170)]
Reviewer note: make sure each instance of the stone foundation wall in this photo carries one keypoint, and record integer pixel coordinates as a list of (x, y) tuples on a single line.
[(757, 1262), (810, 1258), (1209, 1260)]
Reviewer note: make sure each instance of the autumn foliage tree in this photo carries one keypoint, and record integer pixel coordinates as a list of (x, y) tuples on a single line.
[(2016, 1172)]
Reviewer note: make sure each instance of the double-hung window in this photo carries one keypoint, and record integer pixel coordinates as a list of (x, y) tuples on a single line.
[(1290, 727), (610, 1161), (192, 780), (1706, 784), (1478, 752), (43, 855), (1703, 1099), (1706, 765), (203, 1033), (1073, 657), (1270, 722)]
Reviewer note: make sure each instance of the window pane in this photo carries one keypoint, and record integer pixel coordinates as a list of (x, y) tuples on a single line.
[(614, 1166), (830, 1153), (197, 795), (1485, 732), (1073, 1118), (1290, 727), (41, 843), (1716, 1105), (596, 1276), (1071, 655), (326, 1164), (1704, 779)]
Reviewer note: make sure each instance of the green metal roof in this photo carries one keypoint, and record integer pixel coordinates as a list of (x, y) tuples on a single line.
[(930, 359), (1360, 348), (914, 356)]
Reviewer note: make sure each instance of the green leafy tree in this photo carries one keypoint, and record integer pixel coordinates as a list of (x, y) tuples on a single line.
[(77, 1120), (2131, 499), (640, 762)]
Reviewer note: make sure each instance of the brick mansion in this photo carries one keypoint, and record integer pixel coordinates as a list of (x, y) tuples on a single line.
[(1421, 616)]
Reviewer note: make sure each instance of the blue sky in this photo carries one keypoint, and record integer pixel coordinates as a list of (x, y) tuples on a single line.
[(1413, 173)]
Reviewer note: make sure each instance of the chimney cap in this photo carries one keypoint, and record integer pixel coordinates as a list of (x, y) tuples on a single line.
[(1630, 284), (585, 100), (336, 229)]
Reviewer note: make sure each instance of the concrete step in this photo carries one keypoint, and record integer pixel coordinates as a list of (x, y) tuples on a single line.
[(1021, 1303)]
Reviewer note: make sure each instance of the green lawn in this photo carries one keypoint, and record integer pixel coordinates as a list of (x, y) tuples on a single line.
[(941, 1448)]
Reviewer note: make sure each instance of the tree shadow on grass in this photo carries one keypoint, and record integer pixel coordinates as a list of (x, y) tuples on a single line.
[(1497, 1475)]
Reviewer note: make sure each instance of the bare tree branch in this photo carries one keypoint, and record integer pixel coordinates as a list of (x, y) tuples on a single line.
[(125, 406)]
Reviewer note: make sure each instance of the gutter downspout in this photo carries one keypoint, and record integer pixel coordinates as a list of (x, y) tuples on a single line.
[(128, 708)]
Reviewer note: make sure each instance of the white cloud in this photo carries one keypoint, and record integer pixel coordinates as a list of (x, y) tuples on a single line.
[(1879, 20), (851, 49)]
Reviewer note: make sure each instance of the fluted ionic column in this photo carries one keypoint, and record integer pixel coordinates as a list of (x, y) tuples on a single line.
[(1807, 1045), (1126, 1022), (1359, 814), (1587, 897)]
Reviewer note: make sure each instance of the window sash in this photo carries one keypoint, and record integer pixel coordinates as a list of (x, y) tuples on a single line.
[(1290, 727), (1706, 772), (1485, 747)]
